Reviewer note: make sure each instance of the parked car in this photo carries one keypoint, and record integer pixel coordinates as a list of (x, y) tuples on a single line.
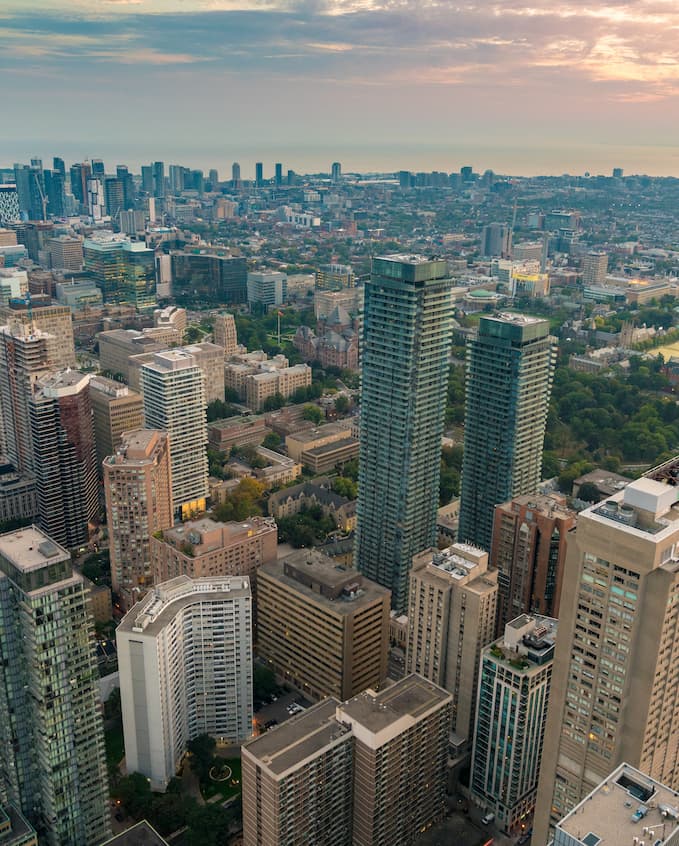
[(488, 818)]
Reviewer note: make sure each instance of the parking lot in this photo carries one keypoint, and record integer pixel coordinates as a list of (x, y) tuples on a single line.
[(278, 710)]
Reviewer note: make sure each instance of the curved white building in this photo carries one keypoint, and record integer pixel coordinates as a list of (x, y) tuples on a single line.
[(185, 661)]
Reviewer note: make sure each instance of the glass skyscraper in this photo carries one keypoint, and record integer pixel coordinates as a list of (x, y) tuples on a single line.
[(510, 365), (407, 329)]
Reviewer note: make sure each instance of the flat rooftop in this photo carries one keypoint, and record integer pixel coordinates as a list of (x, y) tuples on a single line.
[(621, 808), (299, 738), (307, 436), (163, 602), (411, 697), (31, 549), (19, 829), (141, 834)]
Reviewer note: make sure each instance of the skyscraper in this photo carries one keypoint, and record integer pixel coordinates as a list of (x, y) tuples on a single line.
[(278, 170), (615, 695), (407, 326), (185, 658), (496, 240), (594, 268), (235, 174), (336, 171), (53, 762), (259, 174), (158, 179), (509, 379), (64, 456), (138, 490), (174, 401)]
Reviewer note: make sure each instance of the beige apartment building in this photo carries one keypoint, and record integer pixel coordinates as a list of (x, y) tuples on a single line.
[(205, 548), (615, 687), (224, 334), (285, 381), (367, 772), (115, 409), (210, 359), (452, 603), (53, 320), (117, 346), (138, 492), (322, 627)]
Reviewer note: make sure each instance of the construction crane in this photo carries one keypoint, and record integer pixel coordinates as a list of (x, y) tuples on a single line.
[(43, 198)]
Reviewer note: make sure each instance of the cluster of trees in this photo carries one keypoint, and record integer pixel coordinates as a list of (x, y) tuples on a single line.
[(245, 501), (313, 413), (307, 528), (451, 466), (218, 410), (344, 486), (215, 460), (248, 454)]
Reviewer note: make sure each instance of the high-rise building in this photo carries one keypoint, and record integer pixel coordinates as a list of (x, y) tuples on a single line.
[(407, 330), (298, 781), (115, 409), (513, 696), (58, 165), (9, 204), (259, 174), (528, 551), (66, 252), (278, 171), (114, 195), (203, 278), (496, 240), (336, 171), (235, 174), (65, 462), (80, 173), (147, 179), (123, 269), (627, 807), (451, 616), (176, 177), (38, 313), (138, 492), (52, 739), (197, 181), (224, 333), (96, 202), (185, 659), (174, 401), (214, 179), (346, 774), (594, 268), (267, 288), (55, 189), (509, 378), (324, 629), (127, 181), (335, 277), (98, 168), (158, 179), (615, 695), (30, 186)]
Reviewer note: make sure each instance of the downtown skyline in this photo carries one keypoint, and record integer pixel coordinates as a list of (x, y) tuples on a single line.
[(544, 87)]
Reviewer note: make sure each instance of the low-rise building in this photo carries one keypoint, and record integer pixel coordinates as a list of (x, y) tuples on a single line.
[(298, 443), (290, 501), (322, 627), (236, 431), (283, 382), (15, 830)]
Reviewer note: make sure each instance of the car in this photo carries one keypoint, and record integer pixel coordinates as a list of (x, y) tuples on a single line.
[(488, 818), (525, 838)]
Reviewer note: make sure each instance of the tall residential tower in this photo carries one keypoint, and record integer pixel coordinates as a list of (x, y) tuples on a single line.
[(407, 326), (509, 379)]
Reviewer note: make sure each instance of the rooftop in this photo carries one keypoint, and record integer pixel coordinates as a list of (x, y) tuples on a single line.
[(410, 698), (298, 739), (141, 834), (137, 447), (13, 827), (626, 806), (459, 560), (30, 549), (528, 642), (327, 430), (165, 601)]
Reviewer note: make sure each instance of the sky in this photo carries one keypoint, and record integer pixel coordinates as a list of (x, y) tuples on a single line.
[(518, 86)]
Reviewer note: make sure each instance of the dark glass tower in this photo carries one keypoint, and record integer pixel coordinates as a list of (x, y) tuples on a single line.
[(407, 326), (509, 379)]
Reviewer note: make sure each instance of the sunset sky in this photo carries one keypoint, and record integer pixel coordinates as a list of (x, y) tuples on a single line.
[(532, 86)]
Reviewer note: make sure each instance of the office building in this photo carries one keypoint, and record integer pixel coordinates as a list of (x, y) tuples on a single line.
[(278, 173), (171, 317), (528, 551), (30, 186), (118, 346), (259, 174), (55, 189), (322, 627), (52, 739), (206, 548), (65, 460), (115, 409), (627, 807), (267, 288), (206, 279), (174, 401), (39, 313), (9, 204), (406, 343), (123, 269), (334, 277), (513, 696), (336, 172), (594, 268), (496, 240), (66, 252), (615, 695), (509, 379), (96, 201), (138, 493), (235, 175), (114, 196), (158, 179), (185, 662), (80, 173), (224, 333), (15, 830), (346, 774), (451, 616), (298, 781)]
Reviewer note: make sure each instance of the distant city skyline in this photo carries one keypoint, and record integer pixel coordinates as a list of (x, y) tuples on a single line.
[(520, 88)]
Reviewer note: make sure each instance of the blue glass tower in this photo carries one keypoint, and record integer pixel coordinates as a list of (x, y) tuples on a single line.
[(406, 343)]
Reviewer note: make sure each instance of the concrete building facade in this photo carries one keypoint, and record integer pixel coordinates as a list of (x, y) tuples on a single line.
[(185, 663), (115, 409)]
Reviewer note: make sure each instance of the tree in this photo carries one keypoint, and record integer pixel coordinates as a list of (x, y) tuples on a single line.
[(192, 335), (263, 682), (342, 404), (345, 487), (242, 503), (588, 492), (313, 413), (202, 749), (134, 791), (274, 402), (272, 441)]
